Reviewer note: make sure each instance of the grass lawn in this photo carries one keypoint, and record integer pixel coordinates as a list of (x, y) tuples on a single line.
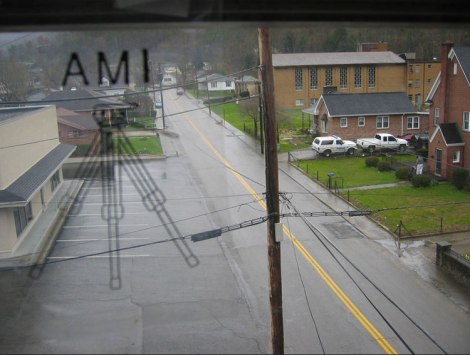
[(350, 171), (417, 220), (146, 145)]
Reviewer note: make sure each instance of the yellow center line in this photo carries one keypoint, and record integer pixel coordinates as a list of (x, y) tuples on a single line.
[(376, 335)]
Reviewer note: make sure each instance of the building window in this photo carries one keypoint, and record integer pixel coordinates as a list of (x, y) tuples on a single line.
[(413, 122), (55, 180), (417, 83), (343, 77), (357, 77), (410, 97), (382, 122), (22, 217), (410, 83), (299, 102), (456, 157), (228, 83), (298, 79), (214, 84), (418, 68), (466, 121), (437, 114), (410, 68), (455, 68), (343, 122), (361, 121), (329, 76), (372, 76), (313, 78)]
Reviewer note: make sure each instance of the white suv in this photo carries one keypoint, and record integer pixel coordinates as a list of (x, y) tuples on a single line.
[(332, 144)]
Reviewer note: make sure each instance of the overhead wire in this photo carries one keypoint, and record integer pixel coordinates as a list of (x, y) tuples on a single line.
[(316, 232), (294, 251)]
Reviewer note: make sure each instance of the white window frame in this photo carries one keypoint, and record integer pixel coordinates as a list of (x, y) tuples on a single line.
[(361, 121), (343, 77), (298, 79), (466, 121), (455, 68), (372, 79), (214, 84), (228, 84), (343, 122), (456, 157), (299, 102), (381, 120), (358, 77), (413, 122), (437, 115), (313, 78), (329, 76)]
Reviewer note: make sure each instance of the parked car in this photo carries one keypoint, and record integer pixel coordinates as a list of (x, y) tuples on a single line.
[(332, 144), (180, 91), (419, 140), (382, 141)]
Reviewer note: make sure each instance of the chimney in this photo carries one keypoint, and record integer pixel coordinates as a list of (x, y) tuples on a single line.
[(445, 49)]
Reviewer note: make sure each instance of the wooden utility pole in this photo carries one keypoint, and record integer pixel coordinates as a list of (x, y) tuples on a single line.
[(272, 192)]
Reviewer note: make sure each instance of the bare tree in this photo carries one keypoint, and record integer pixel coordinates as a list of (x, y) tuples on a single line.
[(14, 81), (250, 108)]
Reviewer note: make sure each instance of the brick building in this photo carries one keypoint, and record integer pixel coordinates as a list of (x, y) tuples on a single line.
[(353, 116), (449, 102), (300, 79)]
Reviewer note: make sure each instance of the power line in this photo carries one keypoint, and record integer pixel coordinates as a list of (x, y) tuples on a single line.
[(317, 232)]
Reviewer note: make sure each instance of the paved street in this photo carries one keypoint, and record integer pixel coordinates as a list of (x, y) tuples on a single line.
[(158, 294)]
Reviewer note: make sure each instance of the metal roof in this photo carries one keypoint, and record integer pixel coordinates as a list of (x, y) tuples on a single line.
[(367, 104), (23, 188), (336, 58), (463, 56), (451, 133), (10, 113), (83, 100)]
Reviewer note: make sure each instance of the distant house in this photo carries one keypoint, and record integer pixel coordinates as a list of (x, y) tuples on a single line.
[(86, 100), (247, 83), (216, 82), (31, 159), (300, 79), (77, 128), (449, 103), (353, 116)]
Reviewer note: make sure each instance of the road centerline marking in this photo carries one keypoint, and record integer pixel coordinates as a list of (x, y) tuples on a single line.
[(371, 329)]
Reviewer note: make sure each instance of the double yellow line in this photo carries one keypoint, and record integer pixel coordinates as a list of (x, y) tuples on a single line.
[(376, 335)]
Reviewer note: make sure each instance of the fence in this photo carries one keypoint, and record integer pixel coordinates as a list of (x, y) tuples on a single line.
[(452, 262)]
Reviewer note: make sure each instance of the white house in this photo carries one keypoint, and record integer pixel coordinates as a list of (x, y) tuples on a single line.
[(216, 82)]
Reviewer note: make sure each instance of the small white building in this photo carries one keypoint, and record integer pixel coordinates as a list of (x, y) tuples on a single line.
[(31, 159), (216, 82)]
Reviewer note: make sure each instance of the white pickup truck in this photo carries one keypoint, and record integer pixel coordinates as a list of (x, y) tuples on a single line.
[(382, 141)]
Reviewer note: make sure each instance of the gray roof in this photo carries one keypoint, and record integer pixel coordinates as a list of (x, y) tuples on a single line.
[(463, 56), (336, 58), (451, 133), (83, 100), (367, 104), (23, 188), (214, 77), (81, 121), (9, 113)]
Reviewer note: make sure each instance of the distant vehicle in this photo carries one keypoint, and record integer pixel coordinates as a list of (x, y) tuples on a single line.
[(332, 144), (180, 91), (158, 104), (382, 141), (419, 140)]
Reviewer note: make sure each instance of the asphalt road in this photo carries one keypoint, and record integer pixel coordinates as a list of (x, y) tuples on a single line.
[(158, 295)]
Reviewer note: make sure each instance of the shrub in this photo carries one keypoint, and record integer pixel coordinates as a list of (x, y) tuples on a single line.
[(460, 178), (403, 173), (421, 181), (245, 94), (383, 165), (372, 161)]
